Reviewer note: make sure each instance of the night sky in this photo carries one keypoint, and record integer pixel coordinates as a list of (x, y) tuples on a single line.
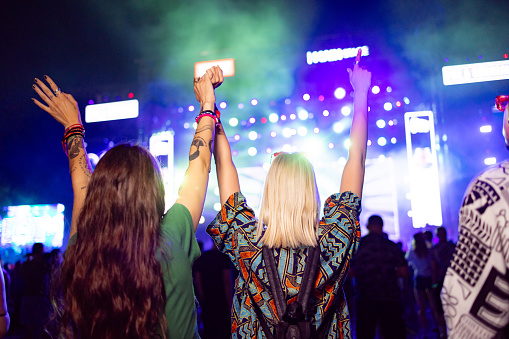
[(94, 49)]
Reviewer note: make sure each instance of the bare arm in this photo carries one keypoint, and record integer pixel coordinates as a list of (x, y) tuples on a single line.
[(64, 108), (193, 189), (353, 173), (227, 176)]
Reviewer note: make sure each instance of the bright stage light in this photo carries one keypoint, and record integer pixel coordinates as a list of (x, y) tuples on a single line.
[(90, 102), (293, 116), (252, 151), (287, 132), (444, 137), (273, 134), (406, 100), (202, 219), (252, 120), (302, 131), (316, 130), (380, 123), (306, 97), (398, 103), (180, 109), (303, 114), (346, 110), (375, 89), (130, 95), (252, 135), (347, 143), (217, 206), (389, 89), (236, 137), (216, 191), (490, 161), (479, 72), (273, 117), (263, 120), (268, 150), (294, 131), (195, 125), (340, 93), (233, 122), (94, 158), (387, 106), (127, 109), (287, 148), (393, 140), (338, 127), (321, 98), (325, 113), (190, 108), (283, 117), (342, 161), (222, 105), (390, 123), (186, 125), (240, 106), (331, 145), (485, 129), (382, 141), (254, 102), (288, 101), (381, 157)]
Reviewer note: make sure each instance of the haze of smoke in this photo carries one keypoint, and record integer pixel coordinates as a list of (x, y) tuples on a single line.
[(265, 38)]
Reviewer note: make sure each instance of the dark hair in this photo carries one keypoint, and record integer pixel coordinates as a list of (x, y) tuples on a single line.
[(110, 282), (375, 220), (419, 245)]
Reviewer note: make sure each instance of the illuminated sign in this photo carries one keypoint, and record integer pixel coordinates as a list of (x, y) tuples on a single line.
[(226, 65), (479, 72), (161, 145), (423, 169), (335, 54), (112, 111)]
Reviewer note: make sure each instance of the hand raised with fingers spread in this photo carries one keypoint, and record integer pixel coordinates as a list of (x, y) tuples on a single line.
[(61, 106), (360, 78)]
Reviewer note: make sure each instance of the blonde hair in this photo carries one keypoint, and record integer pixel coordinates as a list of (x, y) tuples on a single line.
[(290, 204)]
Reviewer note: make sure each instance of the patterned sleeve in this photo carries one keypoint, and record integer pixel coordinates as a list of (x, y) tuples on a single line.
[(339, 232), (233, 227)]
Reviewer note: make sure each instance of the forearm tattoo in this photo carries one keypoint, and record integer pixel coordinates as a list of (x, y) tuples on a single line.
[(75, 149), (199, 141)]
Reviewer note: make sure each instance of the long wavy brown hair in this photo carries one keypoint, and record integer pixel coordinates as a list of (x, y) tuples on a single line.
[(110, 284)]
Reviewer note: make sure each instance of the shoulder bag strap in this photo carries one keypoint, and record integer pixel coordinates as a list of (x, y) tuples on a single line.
[(274, 282)]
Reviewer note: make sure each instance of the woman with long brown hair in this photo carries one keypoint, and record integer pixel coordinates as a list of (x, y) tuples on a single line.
[(127, 268)]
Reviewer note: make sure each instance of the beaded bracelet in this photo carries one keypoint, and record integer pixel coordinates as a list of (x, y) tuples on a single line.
[(70, 131), (207, 113)]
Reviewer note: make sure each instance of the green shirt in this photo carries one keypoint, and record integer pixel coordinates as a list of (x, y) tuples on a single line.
[(177, 231), (180, 250)]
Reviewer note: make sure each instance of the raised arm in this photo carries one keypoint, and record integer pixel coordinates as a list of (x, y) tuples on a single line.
[(64, 109), (353, 174), (227, 176), (192, 192)]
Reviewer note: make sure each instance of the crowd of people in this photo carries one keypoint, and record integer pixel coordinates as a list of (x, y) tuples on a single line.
[(130, 269)]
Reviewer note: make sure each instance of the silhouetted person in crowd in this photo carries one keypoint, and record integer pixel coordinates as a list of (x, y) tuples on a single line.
[(421, 260), (428, 235), (376, 267), (475, 295), (442, 253), (214, 289), (35, 305)]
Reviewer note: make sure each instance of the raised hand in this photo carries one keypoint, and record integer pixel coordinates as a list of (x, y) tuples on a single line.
[(360, 78), (61, 106)]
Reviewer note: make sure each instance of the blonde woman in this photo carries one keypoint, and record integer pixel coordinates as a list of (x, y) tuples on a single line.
[(289, 224)]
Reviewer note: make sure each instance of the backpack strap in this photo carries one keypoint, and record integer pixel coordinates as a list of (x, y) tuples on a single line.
[(274, 282), (260, 316), (307, 282), (308, 278)]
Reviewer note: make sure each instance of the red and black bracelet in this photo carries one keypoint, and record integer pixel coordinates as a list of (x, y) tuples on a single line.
[(77, 129), (208, 113)]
